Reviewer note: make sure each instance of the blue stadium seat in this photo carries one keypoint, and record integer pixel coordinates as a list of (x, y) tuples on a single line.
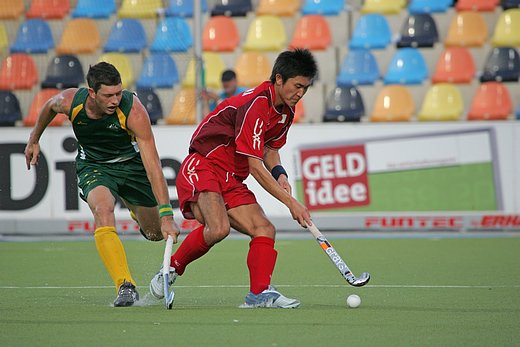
[(344, 104), (406, 67), (64, 71), (419, 30), (429, 6), (152, 103), (183, 8), (502, 65), (372, 31), (10, 111), (507, 4), (235, 8), (518, 113), (358, 68), (172, 35), (323, 7), (96, 9), (159, 71), (127, 36), (33, 36)]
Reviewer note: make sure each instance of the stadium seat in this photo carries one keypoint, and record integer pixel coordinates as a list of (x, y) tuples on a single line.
[(443, 102), (394, 103), (323, 7), (265, 33), (491, 102), (18, 71), (172, 35), (252, 68), (183, 111), (383, 6), (476, 5), (183, 8), (33, 36), (358, 68), (507, 4), (234, 8), (467, 29), (406, 67), (96, 9), (80, 36), (220, 34), (11, 9), (507, 29), (48, 9), (419, 30), (159, 71), (37, 104), (429, 6), (140, 8), (10, 111), (127, 35), (152, 103), (123, 65), (372, 31), (286, 8), (299, 112), (344, 104), (64, 71), (502, 65), (455, 65), (518, 113), (213, 68), (4, 39), (312, 32)]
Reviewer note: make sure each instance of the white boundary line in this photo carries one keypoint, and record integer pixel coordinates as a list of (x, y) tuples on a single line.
[(403, 286)]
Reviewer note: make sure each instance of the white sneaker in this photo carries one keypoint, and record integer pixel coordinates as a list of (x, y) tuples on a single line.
[(270, 298), (157, 286)]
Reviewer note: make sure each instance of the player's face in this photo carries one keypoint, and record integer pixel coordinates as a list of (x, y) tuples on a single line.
[(293, 89), (108, 98), (229, 87)]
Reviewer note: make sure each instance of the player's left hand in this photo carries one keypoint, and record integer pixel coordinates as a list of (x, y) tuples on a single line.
[(169, 228), (284, 183)]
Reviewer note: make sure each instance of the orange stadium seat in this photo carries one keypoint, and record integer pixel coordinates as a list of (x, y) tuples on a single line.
[(455, 65), (11, 9), (278, 7), (394, 103), (476, 5), (312, 32), (48, 9), (491, 102), (18, 71), (220, 34), (299, 112), (37, 104), (183, 110), (252, 68), (467, 29), (80, 36)]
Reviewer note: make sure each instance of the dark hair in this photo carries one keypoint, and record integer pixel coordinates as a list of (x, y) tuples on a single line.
[(102, 73), (299, 62), (228, 75)]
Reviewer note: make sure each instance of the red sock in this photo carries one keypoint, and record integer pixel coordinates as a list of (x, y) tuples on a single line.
[(260, 261), (192, 248)]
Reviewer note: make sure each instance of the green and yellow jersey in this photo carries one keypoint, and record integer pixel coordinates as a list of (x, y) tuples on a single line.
[(104, 140)]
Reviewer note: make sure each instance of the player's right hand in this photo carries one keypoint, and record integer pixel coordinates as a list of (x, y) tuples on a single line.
[(169, 228), (32, 153), (300, 213)]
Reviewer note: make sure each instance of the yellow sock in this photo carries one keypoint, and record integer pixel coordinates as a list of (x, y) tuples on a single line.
[(113, 255)]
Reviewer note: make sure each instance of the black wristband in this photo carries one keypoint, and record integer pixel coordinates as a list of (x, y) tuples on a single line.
[(277, 171)]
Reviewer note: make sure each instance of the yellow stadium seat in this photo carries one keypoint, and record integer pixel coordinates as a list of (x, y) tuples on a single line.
[(383, 6), (467, 29), (265, 33), (507, 29), (278, 7), (139, 8), (4, 40), (123, 65), (252, 68), (394, 103), (213, 68), (184, 108), (443, 102), (80, 36), (11, 9)]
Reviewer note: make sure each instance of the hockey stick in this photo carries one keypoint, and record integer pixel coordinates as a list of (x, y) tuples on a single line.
[(336, 259), (168, 296)]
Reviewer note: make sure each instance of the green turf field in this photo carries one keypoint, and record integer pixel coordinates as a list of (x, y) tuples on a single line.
[(443, 292)]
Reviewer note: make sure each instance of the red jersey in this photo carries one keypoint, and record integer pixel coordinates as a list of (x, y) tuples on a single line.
[(241, 126)]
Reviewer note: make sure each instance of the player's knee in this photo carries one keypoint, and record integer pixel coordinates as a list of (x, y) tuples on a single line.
[(103, 211), (220, 232), (266, 229)]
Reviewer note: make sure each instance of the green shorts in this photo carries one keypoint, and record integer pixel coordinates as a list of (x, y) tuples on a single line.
[(126, 179)]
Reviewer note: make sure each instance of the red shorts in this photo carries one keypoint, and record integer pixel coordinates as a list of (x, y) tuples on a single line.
[(198, 174)]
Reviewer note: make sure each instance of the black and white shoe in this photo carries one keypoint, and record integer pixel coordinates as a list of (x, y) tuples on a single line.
[(127, 295)]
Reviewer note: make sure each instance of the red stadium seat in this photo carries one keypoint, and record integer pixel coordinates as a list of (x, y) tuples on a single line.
[(48, 9), (37, 103)]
